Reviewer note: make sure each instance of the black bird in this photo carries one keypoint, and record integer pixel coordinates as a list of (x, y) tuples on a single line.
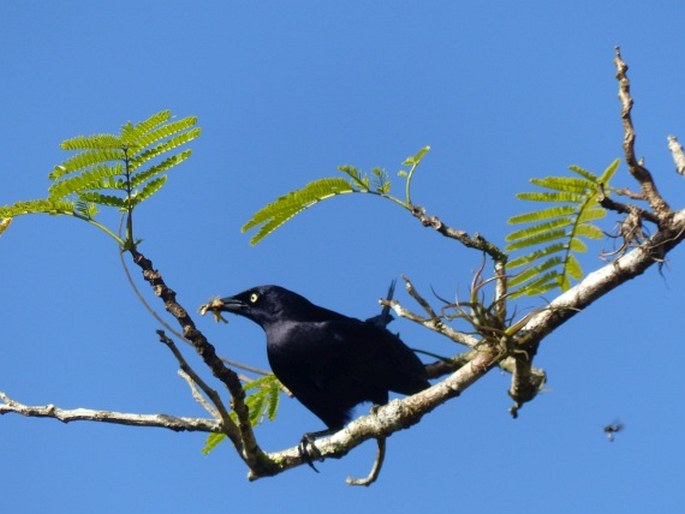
[(330, 362)]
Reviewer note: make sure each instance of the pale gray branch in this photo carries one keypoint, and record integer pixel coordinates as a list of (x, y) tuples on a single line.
[(197, 395), (678, 154), (174, 423), (435, 324)]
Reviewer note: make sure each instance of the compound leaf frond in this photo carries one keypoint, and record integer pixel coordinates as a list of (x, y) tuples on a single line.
[(285, 207), (556, 233)]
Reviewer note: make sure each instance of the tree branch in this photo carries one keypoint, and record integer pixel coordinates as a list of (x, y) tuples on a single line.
[(637, 170), (177, 424), (477, 241)]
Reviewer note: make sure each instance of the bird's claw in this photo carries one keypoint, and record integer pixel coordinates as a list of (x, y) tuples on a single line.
[(307, 443)]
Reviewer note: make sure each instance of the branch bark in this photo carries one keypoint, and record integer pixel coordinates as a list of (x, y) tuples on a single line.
[(175, 423)]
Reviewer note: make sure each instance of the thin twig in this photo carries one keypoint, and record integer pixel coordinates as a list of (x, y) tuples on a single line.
[(245, 367), (198, 396), (433, 324), (625, 208), (477, 241), (211, 393), (419, 299)]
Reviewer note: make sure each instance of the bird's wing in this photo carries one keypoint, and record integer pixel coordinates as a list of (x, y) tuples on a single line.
[(331, 366), (358, 355), (380, 357)]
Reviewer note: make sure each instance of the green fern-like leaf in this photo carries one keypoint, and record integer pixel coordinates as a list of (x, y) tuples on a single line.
[(285, 207), (275, 214), (108, 170), (382, 181), (361, 181), (554, 234), (109, 162), (262, 403), (212, 441)]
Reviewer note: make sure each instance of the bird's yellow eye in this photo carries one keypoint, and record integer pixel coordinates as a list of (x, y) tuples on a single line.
[(254, 297)]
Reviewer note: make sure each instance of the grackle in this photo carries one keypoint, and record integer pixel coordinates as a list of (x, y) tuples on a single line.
[(330, 362)]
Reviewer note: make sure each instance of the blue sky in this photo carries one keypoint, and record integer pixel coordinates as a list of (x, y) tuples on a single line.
[(284, 94)]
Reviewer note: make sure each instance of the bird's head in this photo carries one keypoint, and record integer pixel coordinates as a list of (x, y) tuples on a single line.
[(264, 305)]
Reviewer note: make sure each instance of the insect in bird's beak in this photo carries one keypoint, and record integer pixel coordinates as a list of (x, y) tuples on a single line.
[(216, 305)]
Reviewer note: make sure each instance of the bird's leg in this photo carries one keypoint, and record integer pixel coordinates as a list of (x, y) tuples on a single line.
[(307, 442)]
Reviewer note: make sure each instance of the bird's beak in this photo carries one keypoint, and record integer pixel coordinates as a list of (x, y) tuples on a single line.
[(229, 304), (219, 305)]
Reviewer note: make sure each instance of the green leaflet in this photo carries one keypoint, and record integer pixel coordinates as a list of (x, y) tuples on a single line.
[(87, 159), (47, 206), (94, 142), (262, 403), (553, 235), (148, 190)]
